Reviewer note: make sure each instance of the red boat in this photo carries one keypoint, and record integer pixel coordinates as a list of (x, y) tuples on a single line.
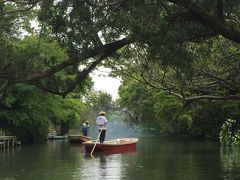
[(122, 145), (77, 138)]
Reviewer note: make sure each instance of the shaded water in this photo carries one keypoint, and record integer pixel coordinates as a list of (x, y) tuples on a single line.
[(156, 157)]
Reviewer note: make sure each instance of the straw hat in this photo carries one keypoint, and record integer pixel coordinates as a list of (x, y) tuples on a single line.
[(101, 113)]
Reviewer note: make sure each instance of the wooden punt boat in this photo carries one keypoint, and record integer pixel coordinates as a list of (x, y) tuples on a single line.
[(77, 138), (122, 145), (56, 137)]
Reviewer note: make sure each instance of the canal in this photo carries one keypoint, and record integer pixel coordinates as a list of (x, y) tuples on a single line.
[(156, 157)]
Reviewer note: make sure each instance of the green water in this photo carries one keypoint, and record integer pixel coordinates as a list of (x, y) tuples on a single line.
[(155, 158)]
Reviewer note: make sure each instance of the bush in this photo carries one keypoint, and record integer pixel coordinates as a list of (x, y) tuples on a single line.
[(230, 133)]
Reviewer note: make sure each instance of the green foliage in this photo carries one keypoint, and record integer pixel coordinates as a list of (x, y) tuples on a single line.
[(171, 114), (175, 47), (207, 119), (138, 99), (100, 101), (29, 113), (39, 54), (230, 134), (151, 108), (32, 54)]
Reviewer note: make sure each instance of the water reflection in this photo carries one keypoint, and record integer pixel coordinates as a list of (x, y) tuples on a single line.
[(162, 158), (230, 160), (99, 167), (52, 160), (155, 158)]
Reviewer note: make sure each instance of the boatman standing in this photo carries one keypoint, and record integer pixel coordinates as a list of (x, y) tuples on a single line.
[(85, 127), (101, 121)]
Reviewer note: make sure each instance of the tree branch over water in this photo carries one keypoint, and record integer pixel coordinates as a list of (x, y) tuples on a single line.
[(102, 51), (215, 23)]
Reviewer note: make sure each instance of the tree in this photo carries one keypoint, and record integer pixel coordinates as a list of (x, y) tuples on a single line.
[(180, 53), (213, 75), (78, 46), (139, 100), (100, 101), (29, 112), (150, 107), (187, 48), (168, 32)]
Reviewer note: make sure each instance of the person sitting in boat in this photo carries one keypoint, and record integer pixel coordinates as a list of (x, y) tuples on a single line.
[(101, 121), (85, 127)]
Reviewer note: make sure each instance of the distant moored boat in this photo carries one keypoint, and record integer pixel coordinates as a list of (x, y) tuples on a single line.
[(77, 138), (55, 137)]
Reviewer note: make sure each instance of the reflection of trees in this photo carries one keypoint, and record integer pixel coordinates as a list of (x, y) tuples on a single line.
[(230, 159), (156, 159), (102, 167), (41, 161), (174, 159)]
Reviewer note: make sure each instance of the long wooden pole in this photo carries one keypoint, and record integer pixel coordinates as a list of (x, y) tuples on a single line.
[(96, 141)]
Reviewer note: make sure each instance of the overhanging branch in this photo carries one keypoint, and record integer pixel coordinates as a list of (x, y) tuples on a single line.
[(31, 4), (105, 49), (196, 14), (101, 51), (211, 97)]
